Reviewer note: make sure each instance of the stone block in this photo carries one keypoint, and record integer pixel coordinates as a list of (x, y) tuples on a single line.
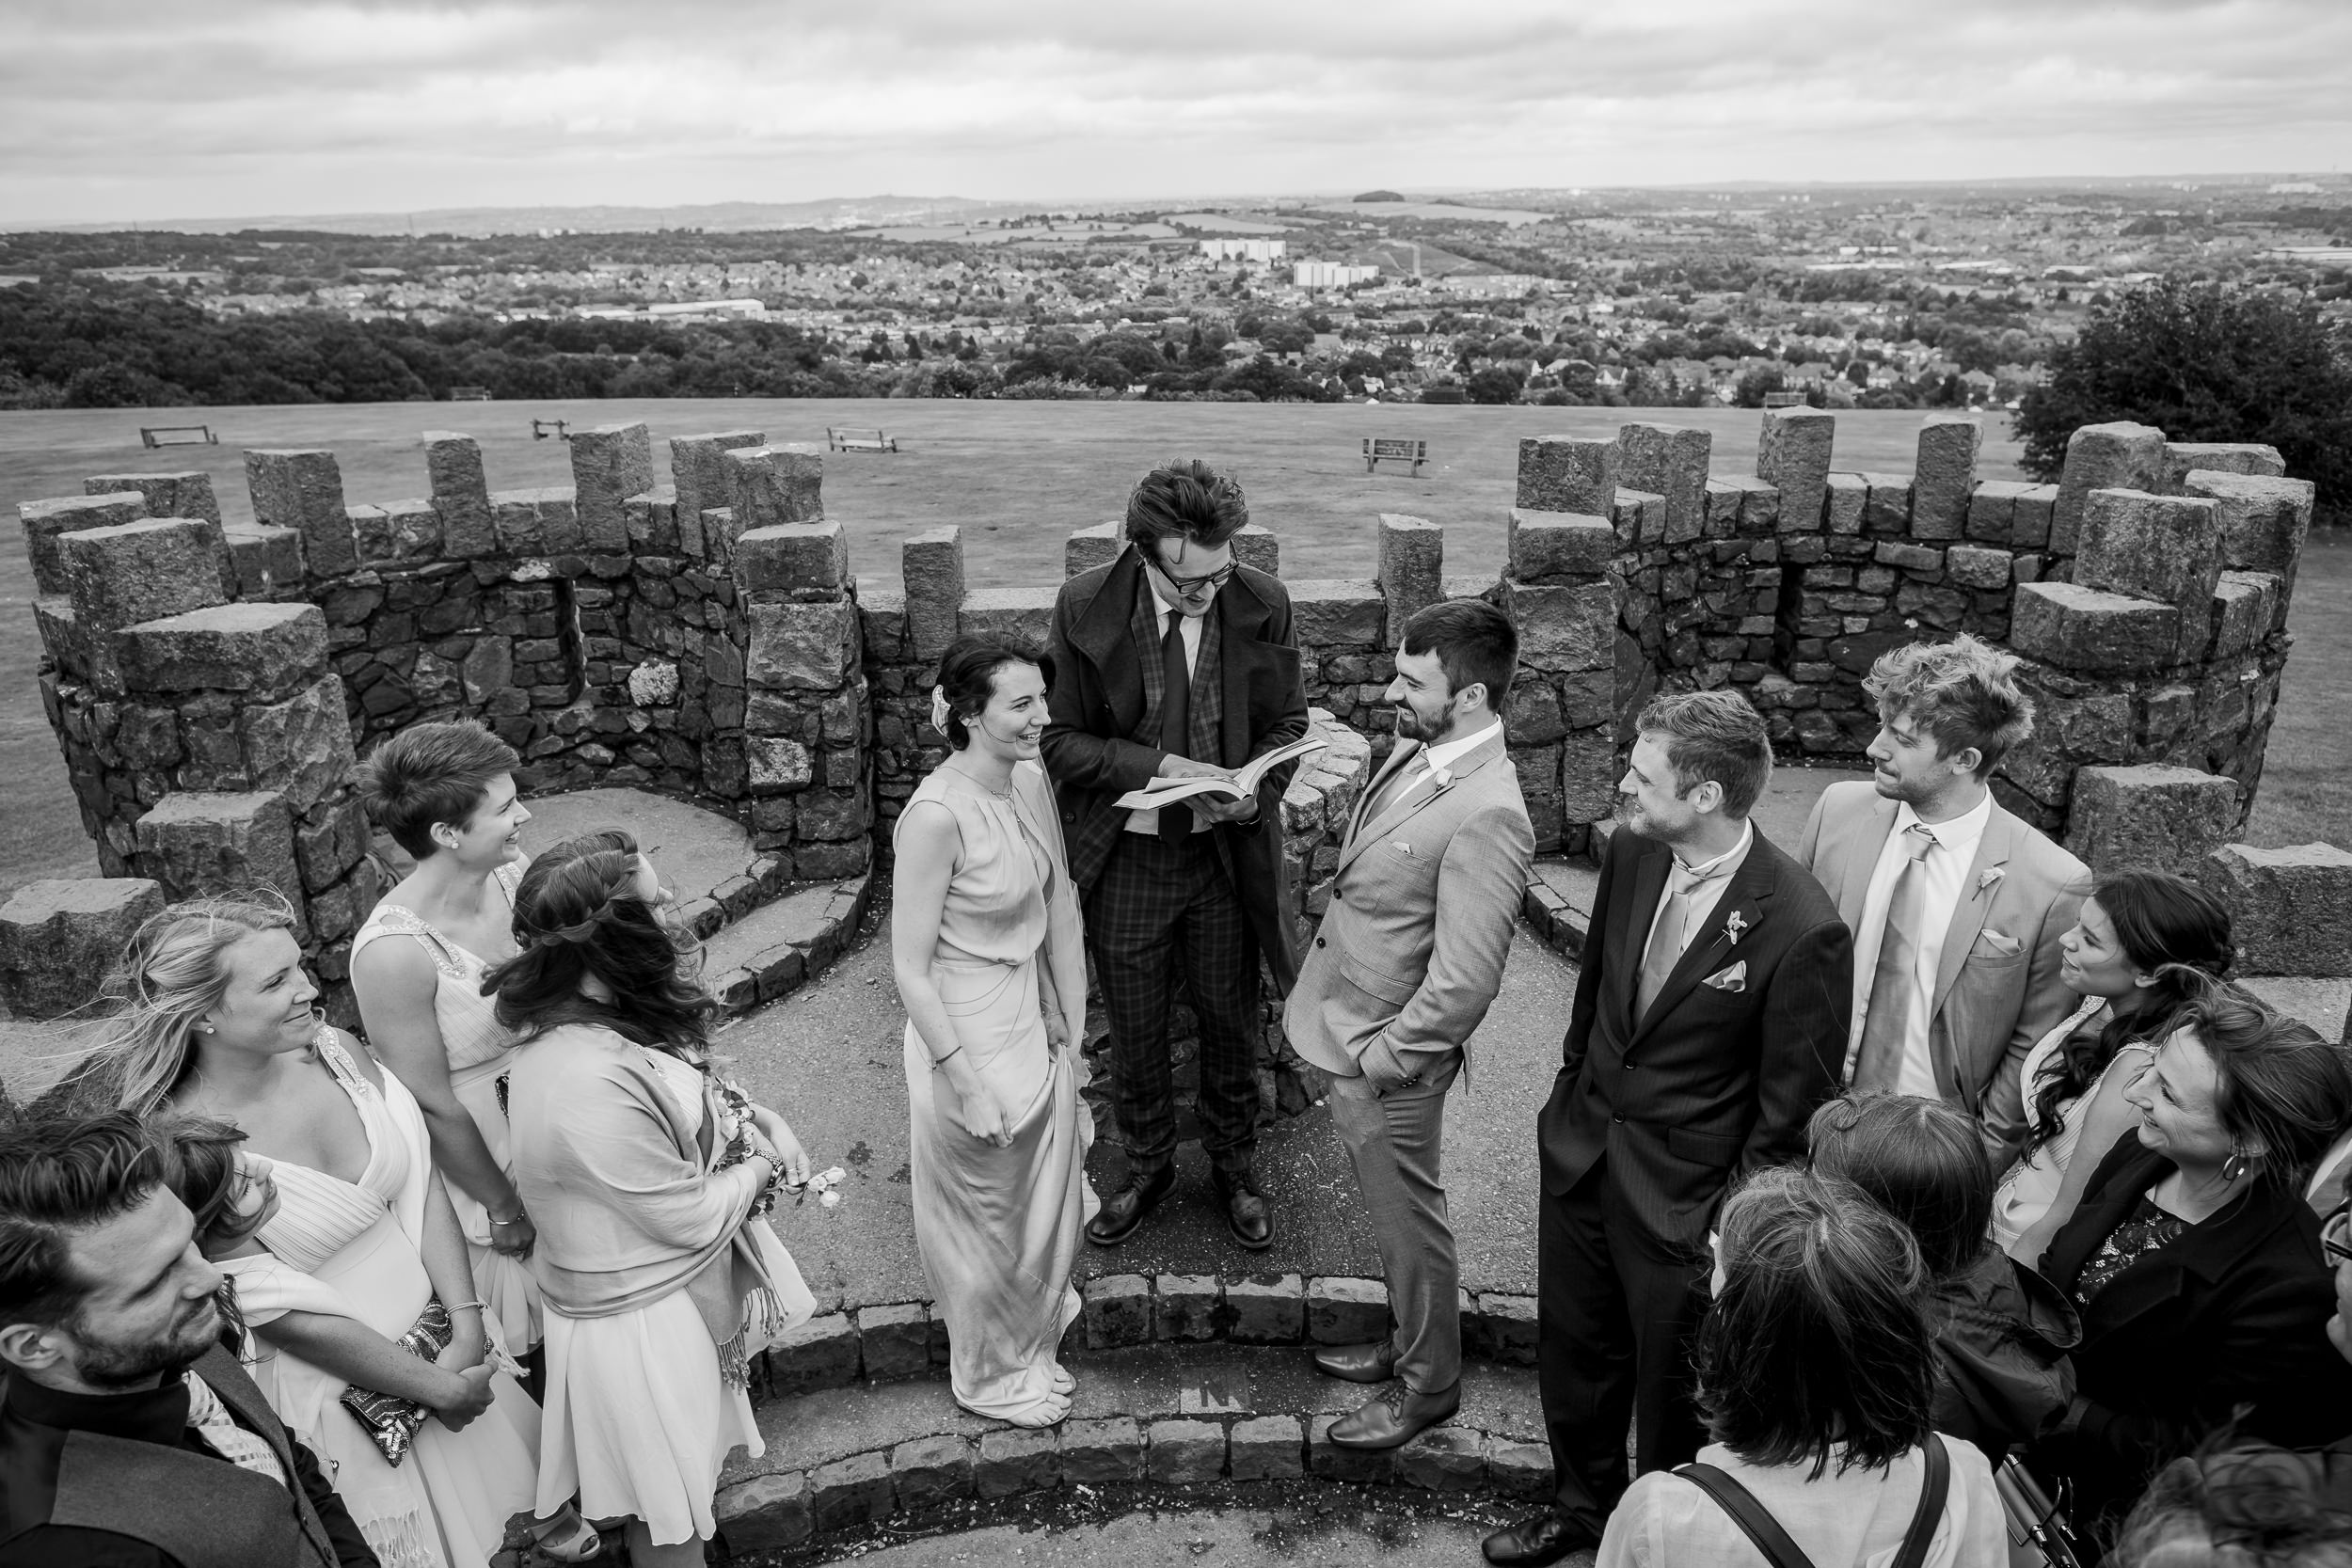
[(396, 533), (1845, 497), (609, 464), (2263, 522), (1025, 614), (1792, 455), (1978, 566), (1588, 777), (126, 572), (1259, 549), (1519, 1469), (263, 561), (1509, 1328), (1344, 1311), (806, 647), (461, 494), (1564, 628), (1090, 547), (1991, 507), (767, 485), (60, 938), (2085, 630), (46, 519), (1444, 1459), (194, 844), (1887, 507), (2183, 459), (927, 1473), (1186, 1306), (1266, 1447), (2031, 517), (1411, 569), (803, 557), (2068, 731), (1670, 461), (262, 648), (1118, 1311), (853, 1492), (1102, 1452), (1266, 1308), (1917, 558), (2162, 547), (1327, 1459), (1332, 612), (2117, 456), (300, 747), (931, 565), (304, 491), (778, 763), (1758, 505), (2149, 817), (822, 1353), (1015, 1460), (766, 1513), (2246, 605), (699, 477), (1568, 473), (189, 493), (1185, 1452), (1946, 475), (1546, 545), (894, 1341), (2290, 909), (1640, 519)]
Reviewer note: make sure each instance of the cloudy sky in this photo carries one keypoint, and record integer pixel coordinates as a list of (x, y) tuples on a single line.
[(144, 109)]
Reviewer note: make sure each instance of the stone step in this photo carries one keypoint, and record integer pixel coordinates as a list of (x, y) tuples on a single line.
[(770, 949), (1175, 1417)]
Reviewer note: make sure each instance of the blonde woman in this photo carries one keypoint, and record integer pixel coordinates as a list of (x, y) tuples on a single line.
[(218, 1019)]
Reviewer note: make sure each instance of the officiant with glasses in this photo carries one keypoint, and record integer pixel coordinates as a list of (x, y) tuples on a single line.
[(1176, 662)]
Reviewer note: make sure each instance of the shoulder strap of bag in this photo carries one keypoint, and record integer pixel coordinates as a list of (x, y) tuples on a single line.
[(1933, 1493), (1749, 1514)]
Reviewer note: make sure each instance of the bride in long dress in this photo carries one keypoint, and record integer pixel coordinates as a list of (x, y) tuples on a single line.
[(986, 945)]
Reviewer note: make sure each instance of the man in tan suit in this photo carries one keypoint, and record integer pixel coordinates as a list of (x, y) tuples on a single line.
[(1409, 958), (1955, 905)]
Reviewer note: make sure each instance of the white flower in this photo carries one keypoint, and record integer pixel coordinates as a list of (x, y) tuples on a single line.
[(830, 1199)]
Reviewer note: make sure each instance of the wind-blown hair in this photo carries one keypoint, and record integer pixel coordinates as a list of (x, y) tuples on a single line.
[(171, 975), (577, 912), (2275, 1083), (1962, 692), (1816, 1345), (2168, 927), (60, 1176), (1185, 500), (429, 774), (1919, 1159)]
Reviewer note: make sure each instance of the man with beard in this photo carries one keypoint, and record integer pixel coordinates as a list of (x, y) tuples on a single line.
[(1955, 906), (129, 1437), (1431, 874), (1710, 1021)]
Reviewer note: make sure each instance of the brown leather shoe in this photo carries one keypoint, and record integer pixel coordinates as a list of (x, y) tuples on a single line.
[(1371, 1363), (1395, 1416), (1124, 1209), (1537, 1543), (1247, 1214)]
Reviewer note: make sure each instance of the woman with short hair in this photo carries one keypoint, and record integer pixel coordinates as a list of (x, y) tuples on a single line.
[(1817, 1385)]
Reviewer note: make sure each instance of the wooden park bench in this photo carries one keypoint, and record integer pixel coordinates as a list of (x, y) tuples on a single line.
[(859, 440), (177, 435), (470, 394), (542, 429), (1395, 448)]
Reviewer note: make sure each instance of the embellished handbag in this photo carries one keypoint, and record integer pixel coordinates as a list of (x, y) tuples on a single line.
[(393, 1422)]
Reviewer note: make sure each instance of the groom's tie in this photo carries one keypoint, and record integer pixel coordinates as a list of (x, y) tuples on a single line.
[(1895, 982), (1669, 937)]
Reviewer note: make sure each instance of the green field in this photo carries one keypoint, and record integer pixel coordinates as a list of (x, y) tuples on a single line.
[(1018, 477)]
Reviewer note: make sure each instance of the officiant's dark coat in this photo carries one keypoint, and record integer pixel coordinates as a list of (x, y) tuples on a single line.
[(1097, 703)]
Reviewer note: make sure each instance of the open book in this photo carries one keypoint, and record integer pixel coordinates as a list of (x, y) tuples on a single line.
[(1241, 786)]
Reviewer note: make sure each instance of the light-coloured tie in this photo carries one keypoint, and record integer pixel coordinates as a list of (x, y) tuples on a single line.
[(1397, 786), (1895, 983), (225, 1437), (1668, 938)]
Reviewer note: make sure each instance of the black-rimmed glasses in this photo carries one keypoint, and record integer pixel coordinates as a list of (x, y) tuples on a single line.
[(2335, 1233), (1208, 582)]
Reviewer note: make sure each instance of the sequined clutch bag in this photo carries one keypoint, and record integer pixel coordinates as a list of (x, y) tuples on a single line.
[(393, 1422)]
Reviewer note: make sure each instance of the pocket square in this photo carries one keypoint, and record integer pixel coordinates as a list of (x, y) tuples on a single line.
[(1997, 944), (1734, 979), (1402, 848)]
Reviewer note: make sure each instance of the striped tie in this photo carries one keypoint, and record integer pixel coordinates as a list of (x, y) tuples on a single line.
[(1895, 983), (225, 1437)]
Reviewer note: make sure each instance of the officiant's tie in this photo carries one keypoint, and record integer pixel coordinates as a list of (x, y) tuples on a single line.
[(1895, 983), (1175, 720), (1670, 936)]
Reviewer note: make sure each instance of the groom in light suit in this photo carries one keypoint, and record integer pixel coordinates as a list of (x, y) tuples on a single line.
[(1409, 959)]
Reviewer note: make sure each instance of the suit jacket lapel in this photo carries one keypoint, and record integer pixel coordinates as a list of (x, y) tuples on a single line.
[(1868, 842), (1420, 793), (1649, 885), (1399, 755), (1993, 847), (1750, 889), (1104, 634)]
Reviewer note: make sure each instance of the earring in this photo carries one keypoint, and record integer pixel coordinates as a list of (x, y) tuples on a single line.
[(204, 1028), (2234, 1166)]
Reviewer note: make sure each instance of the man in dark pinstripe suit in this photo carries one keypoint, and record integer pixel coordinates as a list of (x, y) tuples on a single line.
[(1176, 661), (1710, 1021)]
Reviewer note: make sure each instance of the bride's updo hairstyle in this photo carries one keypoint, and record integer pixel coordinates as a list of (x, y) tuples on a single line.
[(577, 912), (967, 678)]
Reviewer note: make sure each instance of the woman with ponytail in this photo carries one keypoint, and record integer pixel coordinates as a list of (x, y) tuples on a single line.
[(2143, 947), (215, 1017), (647, 1175)]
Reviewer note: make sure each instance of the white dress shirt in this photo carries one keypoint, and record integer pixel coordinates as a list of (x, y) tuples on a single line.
[(1149, 821), (1946, 867), (1700, 905), (1428, 760)]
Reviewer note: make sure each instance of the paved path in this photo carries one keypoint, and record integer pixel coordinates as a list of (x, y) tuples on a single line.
[(1336, 1534)]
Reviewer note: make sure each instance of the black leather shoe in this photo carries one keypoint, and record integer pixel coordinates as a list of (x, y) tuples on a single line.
[(1247, 1214), (1395, 1416), (1537, 1543), (1371, 1363), (1124, 1209)]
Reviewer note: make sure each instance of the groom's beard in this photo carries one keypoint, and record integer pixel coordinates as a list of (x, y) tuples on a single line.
[(118, 1364)]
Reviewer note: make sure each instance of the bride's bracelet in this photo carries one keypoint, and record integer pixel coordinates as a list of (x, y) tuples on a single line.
[(938, 1062)]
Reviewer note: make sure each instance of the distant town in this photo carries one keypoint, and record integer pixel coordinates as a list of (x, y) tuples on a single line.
[(1837, 296)]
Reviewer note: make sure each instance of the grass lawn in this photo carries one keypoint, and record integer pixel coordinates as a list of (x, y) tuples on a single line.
[(1018, 477)]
